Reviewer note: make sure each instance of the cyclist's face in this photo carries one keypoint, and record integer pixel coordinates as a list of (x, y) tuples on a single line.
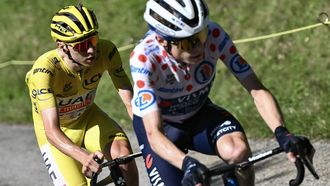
[(189, 50), (84, 52)]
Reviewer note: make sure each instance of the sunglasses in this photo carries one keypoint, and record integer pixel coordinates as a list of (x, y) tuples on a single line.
[(82, 46), (191, 42)]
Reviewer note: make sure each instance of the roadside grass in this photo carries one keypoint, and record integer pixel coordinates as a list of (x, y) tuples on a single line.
[(294, 67)]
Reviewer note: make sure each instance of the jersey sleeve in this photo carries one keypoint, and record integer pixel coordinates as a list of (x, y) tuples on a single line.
[(228, 54), (142, 71), (116, 70), (40, 80)]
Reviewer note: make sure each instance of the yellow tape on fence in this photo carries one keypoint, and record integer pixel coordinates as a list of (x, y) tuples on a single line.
[(323, 18)]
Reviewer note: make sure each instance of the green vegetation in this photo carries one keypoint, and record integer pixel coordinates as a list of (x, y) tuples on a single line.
[(294, 67)]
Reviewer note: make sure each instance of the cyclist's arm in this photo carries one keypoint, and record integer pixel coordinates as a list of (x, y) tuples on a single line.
[(126, 96), (57, 138), (159, 142), (264, 100), (120, 78)]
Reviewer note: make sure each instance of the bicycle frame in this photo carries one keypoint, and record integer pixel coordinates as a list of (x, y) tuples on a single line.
[(114, 162), (300, 162)]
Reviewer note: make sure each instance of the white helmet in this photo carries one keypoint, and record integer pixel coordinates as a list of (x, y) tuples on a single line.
[(176, 18)]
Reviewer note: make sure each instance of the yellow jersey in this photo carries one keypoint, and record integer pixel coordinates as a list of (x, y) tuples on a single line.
[(52, 84)]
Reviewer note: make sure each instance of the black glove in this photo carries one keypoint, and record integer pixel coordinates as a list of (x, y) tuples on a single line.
[(291, 143), (194, 172)]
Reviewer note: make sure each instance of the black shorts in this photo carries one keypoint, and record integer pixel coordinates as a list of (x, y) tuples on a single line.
[(199, 133)]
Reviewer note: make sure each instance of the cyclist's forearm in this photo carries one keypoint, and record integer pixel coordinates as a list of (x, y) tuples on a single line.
[(159, 142), (126, 95), (57, 138), (268, 108)]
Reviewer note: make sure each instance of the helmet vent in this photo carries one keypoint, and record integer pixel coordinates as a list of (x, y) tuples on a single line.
[(163, 21)]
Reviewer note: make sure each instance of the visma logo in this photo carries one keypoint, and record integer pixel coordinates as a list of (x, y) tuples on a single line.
[(153, 173), (145, 99)]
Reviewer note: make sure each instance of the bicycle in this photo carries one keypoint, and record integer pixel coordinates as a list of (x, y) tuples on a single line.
[(300, 162), (304, 158), (115, 162)]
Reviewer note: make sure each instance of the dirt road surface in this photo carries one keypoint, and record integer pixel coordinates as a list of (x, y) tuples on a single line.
[(21, 162)]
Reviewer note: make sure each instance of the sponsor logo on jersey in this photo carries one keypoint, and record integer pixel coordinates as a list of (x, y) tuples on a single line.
[(67, 105), (93, 79), (119, 72), (145, 99), (67, 87), (151, 49), (140, 70), (171, 90), (170, 79), (39, 92), (153, 173), (238, 65), (184, 104), (43, 70), (204, 72)]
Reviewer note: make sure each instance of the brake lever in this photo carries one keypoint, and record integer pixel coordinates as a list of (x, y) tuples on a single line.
[(306, 161), (94, 174), (300, 173)]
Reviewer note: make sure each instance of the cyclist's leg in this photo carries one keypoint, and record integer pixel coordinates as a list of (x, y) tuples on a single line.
[(105, 135), (160, 172), (62, 169), (225, 137)]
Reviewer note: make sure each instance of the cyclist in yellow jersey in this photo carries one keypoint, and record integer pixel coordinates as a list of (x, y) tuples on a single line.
[(71, 129)]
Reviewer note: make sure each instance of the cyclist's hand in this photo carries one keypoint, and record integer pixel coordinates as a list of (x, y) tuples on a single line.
[(90, 165), (293, 145), (194, 173)]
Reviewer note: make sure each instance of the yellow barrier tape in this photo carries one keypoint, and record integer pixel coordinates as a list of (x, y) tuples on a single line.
[(323, 18)]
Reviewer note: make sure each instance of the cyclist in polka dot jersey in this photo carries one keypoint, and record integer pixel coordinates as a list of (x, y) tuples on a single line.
[(173, 68)]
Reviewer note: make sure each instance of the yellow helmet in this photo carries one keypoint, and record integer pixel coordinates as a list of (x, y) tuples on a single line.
[(73, 23)]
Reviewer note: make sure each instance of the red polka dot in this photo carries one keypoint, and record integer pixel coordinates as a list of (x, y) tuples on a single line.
[(164, 53), (132, 54), (187, 76), (140, 83), (213, 47), (165, 103), (232, 49), (174, 68), (142, 58), (222, 57), (159, 59), (149, 41), (242, 61), (189, 88), (164, 67), (153, 67), (215, 32)]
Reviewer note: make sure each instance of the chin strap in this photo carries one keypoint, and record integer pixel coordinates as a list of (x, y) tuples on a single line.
[(67, 52)]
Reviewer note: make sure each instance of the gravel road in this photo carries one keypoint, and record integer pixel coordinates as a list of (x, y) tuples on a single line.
[(21, 162)]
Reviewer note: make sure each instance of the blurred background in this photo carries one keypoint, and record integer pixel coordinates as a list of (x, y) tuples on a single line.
[(295, 67)]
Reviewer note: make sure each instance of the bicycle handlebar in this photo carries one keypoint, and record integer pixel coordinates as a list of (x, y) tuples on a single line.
[(114, 162), (299, 163)]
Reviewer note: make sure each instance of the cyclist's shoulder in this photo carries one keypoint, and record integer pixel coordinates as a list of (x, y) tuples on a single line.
[(215, 28), (147, 49), (106, 45), (47, 63)]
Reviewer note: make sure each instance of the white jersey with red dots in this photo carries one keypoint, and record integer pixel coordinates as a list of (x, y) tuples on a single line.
[(179, 91)]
